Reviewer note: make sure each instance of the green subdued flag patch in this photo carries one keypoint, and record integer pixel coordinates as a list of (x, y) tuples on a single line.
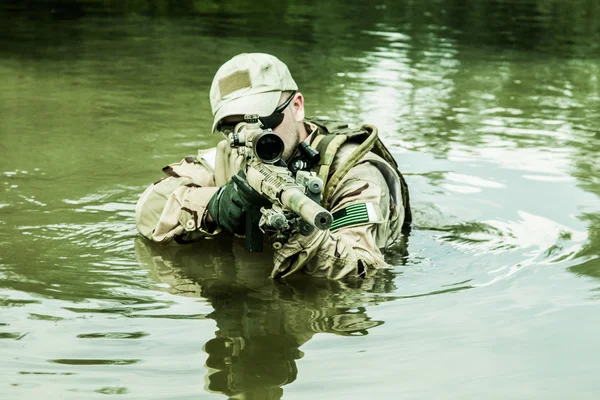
[(351, 215)]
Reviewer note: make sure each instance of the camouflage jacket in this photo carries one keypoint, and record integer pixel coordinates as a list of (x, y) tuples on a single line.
[(174, 209)]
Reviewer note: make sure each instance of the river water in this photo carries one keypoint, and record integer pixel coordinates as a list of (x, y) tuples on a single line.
[(492, 110)]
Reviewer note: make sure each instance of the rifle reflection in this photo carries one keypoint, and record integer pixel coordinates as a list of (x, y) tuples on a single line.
[(261, 322)]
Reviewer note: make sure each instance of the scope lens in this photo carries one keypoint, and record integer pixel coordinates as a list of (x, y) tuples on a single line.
[(269, 147)]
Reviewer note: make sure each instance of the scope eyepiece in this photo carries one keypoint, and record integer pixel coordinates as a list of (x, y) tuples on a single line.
[(268, 147)]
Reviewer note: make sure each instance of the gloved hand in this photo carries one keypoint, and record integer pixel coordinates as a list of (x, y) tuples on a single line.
[(232, 200)]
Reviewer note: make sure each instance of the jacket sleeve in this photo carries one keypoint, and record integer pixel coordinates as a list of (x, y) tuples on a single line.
[(353, 249), (174, 208)]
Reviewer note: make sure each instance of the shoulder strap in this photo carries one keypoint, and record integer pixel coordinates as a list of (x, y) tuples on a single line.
[(328, 125), (371, 136), (332, 135), (327, 146)]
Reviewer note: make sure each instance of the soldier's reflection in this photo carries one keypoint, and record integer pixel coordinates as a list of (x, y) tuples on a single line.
[(261, 323)]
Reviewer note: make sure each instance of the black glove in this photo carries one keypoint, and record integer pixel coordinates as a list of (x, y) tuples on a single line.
[(232, 200)]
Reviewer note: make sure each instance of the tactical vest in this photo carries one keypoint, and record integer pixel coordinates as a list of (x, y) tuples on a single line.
[(342, 146)]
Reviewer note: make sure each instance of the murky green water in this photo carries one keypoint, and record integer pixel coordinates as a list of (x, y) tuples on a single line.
[(492, 110)]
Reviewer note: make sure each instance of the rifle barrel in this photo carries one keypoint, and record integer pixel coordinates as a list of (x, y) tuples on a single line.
[(310, 211)]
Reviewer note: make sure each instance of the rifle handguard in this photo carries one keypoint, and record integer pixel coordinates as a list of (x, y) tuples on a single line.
[(279, 187)]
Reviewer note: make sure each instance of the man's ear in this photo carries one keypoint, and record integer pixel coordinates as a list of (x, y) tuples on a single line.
[(298, 105)]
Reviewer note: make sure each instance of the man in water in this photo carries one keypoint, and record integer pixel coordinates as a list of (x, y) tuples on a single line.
[(369, 202)]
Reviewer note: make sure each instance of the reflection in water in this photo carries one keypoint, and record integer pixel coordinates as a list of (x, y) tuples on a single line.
[(590, 252), (261, 322)]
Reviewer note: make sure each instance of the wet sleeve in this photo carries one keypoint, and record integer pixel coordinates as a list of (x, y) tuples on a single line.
[(174, 208), (350, 249)]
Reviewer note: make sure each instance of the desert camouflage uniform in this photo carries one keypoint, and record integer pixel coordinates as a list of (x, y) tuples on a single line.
[(174, 209)]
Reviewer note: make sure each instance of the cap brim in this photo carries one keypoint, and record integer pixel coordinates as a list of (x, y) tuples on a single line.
[(262, 104)]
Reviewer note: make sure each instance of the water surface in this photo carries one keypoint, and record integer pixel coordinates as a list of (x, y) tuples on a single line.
[(492, 110)]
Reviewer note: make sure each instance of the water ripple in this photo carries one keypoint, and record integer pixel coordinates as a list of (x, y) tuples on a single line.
[(80, 361), (113, 335)]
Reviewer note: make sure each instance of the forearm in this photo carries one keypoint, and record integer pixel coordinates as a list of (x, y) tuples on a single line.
[(349, 252), (362, 226), (169, 211), (175, 208)]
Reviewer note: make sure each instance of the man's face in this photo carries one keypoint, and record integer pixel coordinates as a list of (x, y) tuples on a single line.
[(289, 128), (289, 132)]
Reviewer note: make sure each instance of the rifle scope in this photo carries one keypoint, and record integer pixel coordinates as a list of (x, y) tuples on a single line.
[(268, 147)]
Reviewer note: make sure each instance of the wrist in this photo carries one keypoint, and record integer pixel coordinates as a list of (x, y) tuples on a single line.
[(208, 219), (208, 224)]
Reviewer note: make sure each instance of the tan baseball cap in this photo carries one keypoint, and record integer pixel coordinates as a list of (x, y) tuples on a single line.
[(249, 83)]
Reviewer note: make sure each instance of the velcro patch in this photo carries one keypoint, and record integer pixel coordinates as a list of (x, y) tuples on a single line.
[(353, 215), (236, 81)]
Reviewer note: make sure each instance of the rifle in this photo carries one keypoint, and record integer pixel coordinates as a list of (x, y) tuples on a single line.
[(295, 201)]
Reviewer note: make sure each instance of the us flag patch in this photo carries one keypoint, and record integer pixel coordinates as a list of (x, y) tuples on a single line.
[(354, 214)]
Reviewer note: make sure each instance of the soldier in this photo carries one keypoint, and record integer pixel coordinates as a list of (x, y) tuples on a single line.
[(367, 196)]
